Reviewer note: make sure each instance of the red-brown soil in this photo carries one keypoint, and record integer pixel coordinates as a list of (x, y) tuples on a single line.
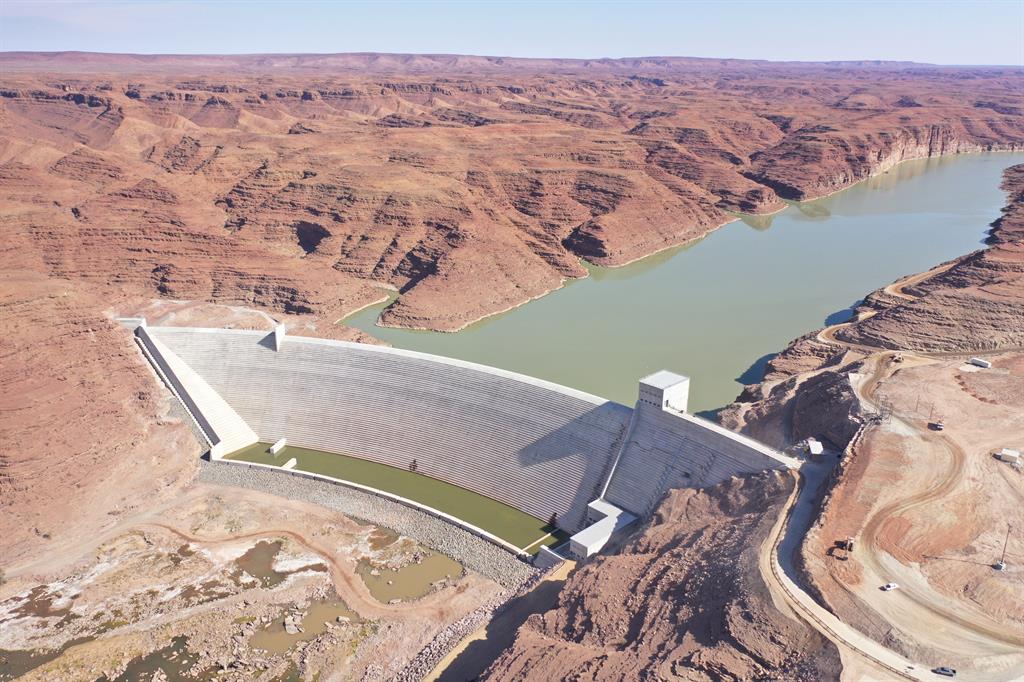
[(87, 432), (974, 304), (928, 509), (977, 304), (298, 184), (304, 187), (683, 600)]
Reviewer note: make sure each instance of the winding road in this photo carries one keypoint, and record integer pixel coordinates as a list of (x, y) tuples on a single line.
[(789, 532)]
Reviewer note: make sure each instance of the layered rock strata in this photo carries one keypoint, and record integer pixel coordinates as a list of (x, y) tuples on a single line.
[(469, 185)]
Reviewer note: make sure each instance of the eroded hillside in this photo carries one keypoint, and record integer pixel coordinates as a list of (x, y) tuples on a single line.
[(683, 600), (307, 188), (917, 484)]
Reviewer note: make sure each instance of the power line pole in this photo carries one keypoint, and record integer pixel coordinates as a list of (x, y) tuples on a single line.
[(1001, 564)]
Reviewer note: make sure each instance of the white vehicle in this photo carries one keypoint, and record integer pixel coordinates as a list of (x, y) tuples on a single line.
[(889, 587)]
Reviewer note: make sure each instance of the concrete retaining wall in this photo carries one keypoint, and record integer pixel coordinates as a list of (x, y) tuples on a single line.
[(436, 532)]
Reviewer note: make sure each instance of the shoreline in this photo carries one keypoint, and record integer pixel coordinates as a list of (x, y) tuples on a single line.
[(561, 285), (1003, 149), (825, 334)]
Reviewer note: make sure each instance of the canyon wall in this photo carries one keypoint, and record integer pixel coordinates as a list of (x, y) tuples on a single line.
[(972, 304), (469, 185)]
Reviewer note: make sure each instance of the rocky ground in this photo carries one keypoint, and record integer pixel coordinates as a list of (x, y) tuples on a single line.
[(89, 435), (208, 192), (974, 304), (469, 190), (223, 569), (927, 509), (470, 550), (683, 600)]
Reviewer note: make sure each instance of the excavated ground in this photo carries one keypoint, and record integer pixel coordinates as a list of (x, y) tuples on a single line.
[(927, 509)]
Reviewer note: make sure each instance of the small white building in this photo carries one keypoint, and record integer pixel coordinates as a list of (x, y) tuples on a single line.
[(1008, 455), (980, 362), (665, 390), (279, 332), (814, 447), (605, 520)]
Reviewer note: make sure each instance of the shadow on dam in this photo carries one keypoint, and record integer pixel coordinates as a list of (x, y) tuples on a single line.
[(594, 437)]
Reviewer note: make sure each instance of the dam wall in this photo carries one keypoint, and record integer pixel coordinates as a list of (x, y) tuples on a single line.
[(534, 445), (667, 449), (225, 430)]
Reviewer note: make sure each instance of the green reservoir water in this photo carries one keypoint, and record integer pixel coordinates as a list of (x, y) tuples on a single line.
[(718, 308), (507, 523)]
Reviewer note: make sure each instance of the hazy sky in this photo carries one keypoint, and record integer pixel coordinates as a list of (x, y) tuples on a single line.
[(950, 32)]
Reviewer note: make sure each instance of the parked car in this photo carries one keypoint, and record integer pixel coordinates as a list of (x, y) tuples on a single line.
[(889, 587), (944, 671)]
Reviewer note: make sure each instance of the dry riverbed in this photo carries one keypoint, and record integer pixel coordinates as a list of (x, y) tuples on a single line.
[(234, 585)]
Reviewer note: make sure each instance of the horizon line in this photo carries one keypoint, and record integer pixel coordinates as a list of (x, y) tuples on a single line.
[(498, 58)]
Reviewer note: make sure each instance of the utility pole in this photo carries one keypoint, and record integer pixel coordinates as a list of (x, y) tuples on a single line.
[(1001, 564)]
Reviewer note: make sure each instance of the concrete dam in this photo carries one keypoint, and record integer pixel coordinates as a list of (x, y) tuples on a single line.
[(544, 449)]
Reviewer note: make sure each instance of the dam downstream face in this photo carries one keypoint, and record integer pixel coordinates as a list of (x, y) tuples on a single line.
[(717, 308)]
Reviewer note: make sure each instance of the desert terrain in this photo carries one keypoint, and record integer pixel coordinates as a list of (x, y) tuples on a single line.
[(469, 186), (684, 600), (244, 191), (932, 510)]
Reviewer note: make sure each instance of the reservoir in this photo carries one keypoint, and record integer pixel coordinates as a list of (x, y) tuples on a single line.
[(718, 308)]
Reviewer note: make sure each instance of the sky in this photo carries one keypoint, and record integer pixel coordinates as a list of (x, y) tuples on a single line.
[(933, 31)]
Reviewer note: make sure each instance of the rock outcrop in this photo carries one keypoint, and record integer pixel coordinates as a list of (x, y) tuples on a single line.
[(976, 304), (973, 304), (682, 600), (468, 184)]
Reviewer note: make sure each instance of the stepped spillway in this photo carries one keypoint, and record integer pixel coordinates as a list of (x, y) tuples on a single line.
[(668, 449)]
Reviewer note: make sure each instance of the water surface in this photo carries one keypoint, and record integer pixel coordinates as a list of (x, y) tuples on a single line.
[(318, 618), (412, 581), (717, 308), (508, 523)]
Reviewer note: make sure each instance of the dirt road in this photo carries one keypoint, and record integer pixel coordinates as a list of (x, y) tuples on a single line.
[(974, 624)]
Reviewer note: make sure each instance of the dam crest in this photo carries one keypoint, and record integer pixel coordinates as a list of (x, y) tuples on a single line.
[(547, 450)]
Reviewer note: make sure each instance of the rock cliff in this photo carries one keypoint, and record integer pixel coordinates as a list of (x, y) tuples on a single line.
[(470, 185), (972, 304)]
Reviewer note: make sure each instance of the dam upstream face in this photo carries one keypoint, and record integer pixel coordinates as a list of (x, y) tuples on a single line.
[(718, 308)]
